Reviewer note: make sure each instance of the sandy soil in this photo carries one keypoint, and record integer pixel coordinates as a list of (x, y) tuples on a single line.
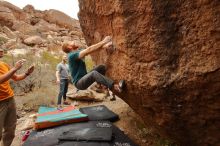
[(130, 123)]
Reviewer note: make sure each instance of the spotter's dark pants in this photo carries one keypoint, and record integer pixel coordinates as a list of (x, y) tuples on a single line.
[(63, 90)]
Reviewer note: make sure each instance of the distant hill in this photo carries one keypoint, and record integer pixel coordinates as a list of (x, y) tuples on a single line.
[(29, 28)]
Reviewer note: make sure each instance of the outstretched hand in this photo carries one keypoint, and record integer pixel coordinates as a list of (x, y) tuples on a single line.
[(109, 47), (30, 70), (107, 39), (19, 64)]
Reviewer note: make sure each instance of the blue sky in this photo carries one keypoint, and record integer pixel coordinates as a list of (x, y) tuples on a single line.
[(70, 7)]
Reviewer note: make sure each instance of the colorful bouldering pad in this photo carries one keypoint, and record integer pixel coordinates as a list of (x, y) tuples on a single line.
[(49, 117)]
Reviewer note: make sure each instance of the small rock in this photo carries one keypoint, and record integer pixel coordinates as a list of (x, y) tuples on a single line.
[(144, 140)]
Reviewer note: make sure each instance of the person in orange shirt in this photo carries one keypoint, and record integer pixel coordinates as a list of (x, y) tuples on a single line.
[(8, 116)]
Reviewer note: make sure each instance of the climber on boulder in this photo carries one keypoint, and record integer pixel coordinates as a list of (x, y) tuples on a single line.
[(80, 77)]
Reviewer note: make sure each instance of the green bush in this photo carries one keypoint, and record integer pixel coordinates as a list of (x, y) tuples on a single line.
[(2, 40), (39, 88), (50, 59)]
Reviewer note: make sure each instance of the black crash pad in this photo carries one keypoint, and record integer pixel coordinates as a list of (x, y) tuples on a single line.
[(83, 144), (49, 137), (100, 112), (97, 131), (120, 139)]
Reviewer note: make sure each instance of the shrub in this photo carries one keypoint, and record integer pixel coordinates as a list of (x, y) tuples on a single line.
[(2, 40), (38, 88), (49, 59)]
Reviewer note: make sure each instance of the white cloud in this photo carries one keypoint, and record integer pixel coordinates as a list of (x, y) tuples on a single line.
[(70, 7)]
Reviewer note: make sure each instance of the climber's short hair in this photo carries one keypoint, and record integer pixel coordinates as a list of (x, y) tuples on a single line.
[(69, 46), (65, 47)]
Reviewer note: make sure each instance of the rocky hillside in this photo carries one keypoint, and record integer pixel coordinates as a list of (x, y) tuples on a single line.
[(32, 29), (168, 52)]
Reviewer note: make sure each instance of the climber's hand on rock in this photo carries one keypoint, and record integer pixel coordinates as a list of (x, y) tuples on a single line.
[(108, 45), (107, 39)]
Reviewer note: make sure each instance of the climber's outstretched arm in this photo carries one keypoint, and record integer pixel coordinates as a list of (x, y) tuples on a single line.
[(94, 47)]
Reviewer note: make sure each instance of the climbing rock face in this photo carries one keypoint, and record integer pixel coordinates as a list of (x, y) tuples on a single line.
[(168, 53), (33, 29), (10, 13), (61, 19)]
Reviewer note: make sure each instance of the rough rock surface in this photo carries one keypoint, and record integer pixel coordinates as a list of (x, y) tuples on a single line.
[(6, 16), (62, 20), (9, 13), (27, 28), (33, 40), (168, 52), (8, 32)]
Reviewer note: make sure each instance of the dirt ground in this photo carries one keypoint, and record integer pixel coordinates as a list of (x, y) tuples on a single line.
[(130, 123)]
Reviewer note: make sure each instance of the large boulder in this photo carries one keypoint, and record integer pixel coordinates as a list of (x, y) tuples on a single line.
[(33, 40), (14, 10), (29, 9), (25, 28), (35, 15), (30, 22), (168, 53), (44, 26), (8, 32), (61, 19), (6, 16), (32, 12)]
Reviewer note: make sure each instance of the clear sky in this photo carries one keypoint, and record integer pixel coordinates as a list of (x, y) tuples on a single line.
[(69, 7)]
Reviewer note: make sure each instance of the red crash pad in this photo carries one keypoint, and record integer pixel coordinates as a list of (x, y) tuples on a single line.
[(49, 117)]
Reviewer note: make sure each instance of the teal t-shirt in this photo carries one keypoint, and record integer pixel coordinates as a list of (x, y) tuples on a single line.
[(77, 66)]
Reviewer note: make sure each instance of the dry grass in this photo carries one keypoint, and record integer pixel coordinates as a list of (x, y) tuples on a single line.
[(42, 96), (39, 88)]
